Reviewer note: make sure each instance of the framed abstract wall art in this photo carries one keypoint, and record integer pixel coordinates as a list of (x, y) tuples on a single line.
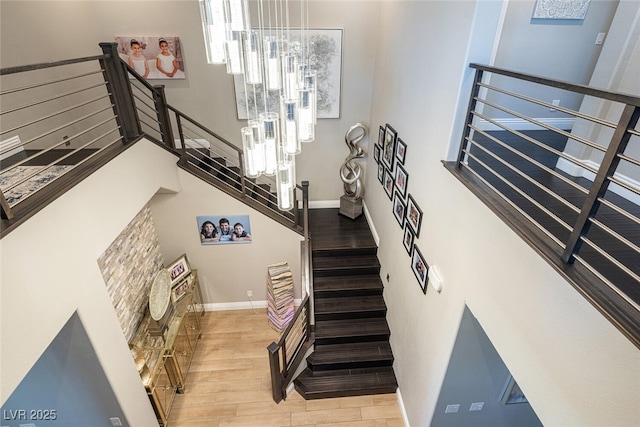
[(325, 57)]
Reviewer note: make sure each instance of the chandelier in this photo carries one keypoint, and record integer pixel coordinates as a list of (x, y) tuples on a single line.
[(279, 84)]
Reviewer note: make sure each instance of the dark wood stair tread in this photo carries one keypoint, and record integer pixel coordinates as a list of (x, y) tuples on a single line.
[(346, 383), (367, 303), (341, 354), (366, 284), (356, 329), (345, 263)]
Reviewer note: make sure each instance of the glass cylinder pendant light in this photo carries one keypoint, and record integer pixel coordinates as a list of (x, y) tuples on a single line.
[(257, 142), (310, 81), (249, 149), (272, 64), (271, 136), (233, 50), (286, 183), (305, 120), (290, 141), (289, 76), (253, 58), (214, 28), (238, 17)]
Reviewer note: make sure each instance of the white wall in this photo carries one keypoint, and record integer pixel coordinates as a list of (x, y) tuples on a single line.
[(226, 271), (617, 71), (207, 94), (50, 270), (554, 342)]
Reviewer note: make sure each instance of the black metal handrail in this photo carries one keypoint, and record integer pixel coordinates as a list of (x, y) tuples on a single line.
[(59, 120), (585, 208), (205, 153), (287, 354)]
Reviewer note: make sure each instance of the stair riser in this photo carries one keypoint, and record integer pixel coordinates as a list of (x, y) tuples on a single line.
[(351, 365), (347, 271), (351, 339), (345, 252), (351, 315), (319, 294), (348, 393)]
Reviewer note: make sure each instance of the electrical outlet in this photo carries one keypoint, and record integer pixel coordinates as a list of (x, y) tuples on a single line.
[(452, 409), (476, 406), (115, 421), (66, 140), (249, 294), (600, 38), (555, 102)]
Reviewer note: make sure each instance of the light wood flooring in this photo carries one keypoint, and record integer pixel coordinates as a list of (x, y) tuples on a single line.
[(229, 384)]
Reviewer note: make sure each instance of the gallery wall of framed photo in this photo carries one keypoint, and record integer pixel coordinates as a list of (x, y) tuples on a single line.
[(390, 152)]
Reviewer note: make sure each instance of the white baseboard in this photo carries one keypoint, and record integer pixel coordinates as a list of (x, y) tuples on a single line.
[(575, 170), (320, 204), (372, 227), (403, 411), (243, 305), (13, 145), (520, 124), (194, 143)]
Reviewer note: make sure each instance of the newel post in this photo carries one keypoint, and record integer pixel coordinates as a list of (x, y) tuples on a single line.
[(160, 100), (276, 376), (120, 93)]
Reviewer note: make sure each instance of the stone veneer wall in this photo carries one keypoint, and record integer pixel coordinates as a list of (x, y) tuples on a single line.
[(129, 266)]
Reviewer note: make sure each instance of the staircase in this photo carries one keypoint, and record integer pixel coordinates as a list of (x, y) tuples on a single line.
[(230, 175), (352, 355)]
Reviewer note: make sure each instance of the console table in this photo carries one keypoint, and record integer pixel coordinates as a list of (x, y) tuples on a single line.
[(163, 360)]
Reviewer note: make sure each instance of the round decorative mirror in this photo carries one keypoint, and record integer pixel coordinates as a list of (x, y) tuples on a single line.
[(160, 295)]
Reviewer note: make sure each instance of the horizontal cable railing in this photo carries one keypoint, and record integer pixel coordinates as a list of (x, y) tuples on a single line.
[(56, 118), (571, 171), (206, 153)]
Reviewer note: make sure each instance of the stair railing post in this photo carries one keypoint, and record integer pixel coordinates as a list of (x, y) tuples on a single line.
[(475, 90), (162, 112), (120, 93), (7, 212), (182, 148), (305, 208), (274, 368), (619, 140), (243, 183)]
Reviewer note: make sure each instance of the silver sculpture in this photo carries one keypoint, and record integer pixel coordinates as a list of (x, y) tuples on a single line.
[(351, 201)]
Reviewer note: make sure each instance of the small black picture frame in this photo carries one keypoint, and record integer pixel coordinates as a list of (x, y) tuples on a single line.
[(401, 151), (388, 146), (401, 179), (381, 173), (414, 215), (407, 239), (388, 183), (420, 268), (380, 137), (376, 153), (399, 208)]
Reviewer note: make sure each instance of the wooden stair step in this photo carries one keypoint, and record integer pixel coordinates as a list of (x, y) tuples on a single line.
[(332, 286), (350, 355), (350, 307), (340, 251), (352, 330), (346, 383), (337, 265)]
